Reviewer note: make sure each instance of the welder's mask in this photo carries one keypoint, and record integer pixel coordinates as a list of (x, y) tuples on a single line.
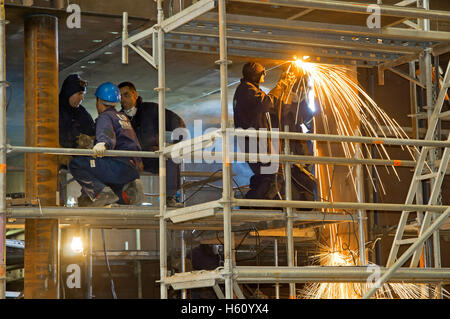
[(131, 112), (252, 71)]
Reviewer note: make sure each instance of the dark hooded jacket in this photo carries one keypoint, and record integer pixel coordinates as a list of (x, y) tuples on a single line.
[(250, 105), (72, 121), (145, 124)]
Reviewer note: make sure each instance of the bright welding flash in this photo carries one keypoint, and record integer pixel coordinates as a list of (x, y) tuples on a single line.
[(77, 245), (311, 103)]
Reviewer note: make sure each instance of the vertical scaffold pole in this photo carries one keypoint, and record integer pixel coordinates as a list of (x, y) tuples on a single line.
[(289, 211), (162, 161), (2, 153), (226, 193)]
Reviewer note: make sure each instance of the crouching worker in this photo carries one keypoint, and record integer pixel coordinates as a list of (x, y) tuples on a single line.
[(107, 180)]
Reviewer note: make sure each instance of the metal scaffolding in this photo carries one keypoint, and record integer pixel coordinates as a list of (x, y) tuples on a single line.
[(196, 29)]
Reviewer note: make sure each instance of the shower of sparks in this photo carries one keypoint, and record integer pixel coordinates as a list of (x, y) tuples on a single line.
[(333, 257), (353, 113), (335, 89)]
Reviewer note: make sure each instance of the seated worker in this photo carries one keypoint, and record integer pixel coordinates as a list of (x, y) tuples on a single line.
[(107, 180), (144, 119), (253, 108), (75, 122)]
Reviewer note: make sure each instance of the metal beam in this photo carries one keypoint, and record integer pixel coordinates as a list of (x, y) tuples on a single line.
[(329, 28), (288, 49), (272, 56), (309, 38), (355, 7), (406, 76)]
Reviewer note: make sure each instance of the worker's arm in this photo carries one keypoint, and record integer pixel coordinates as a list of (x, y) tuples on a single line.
[(104, 131), (264, 102), (283, 85), (86, 123)]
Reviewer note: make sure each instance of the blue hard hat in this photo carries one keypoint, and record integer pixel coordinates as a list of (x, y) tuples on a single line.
[(108, 92)]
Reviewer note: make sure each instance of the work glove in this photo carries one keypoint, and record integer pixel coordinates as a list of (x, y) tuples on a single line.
[(99, 149)]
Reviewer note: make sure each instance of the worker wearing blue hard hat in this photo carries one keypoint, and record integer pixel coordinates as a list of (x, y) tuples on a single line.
[(106, 180)]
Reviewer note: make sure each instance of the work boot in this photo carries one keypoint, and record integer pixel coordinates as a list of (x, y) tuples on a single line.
[(133, 193), (84, 201), (172, 202), (105, 197)]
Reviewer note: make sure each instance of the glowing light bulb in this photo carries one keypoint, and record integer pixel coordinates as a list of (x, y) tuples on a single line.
[(77, 245)]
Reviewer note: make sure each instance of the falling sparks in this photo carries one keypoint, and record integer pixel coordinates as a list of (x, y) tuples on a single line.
[(339, 290), (337, 91), (345, 106)]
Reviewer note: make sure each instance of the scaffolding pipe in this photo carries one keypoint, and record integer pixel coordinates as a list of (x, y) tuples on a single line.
[(338, 138), (234, 155), (2, 153), (183, 262), (357, 7), (162, 144), (226, 193), (275, 252), (267, 274), (289, 221), (338, 205), (77, 151), (145, 213), (408, 253), (361, 213), (249, 157)]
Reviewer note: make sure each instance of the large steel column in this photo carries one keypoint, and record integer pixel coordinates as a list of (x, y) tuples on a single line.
[(226, 165), (41, 129), (2, 153), (162, 160)]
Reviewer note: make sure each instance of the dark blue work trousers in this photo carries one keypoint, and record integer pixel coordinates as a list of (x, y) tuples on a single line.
[(106, 171)]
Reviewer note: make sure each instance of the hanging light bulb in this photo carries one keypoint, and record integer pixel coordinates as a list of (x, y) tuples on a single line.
[(77, 245)]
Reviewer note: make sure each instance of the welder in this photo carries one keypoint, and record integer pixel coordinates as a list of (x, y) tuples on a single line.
[(253, 108)]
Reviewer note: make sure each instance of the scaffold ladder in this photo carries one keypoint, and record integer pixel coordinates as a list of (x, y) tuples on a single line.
[(436, 179)]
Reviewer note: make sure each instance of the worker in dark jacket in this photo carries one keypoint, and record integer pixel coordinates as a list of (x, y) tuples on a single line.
[(253, 108), (74, 120), (107, 180), (144, 118)]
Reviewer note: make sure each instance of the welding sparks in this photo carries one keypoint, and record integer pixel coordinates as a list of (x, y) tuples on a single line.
[(348, 111), (332, 257), (337, 91)]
